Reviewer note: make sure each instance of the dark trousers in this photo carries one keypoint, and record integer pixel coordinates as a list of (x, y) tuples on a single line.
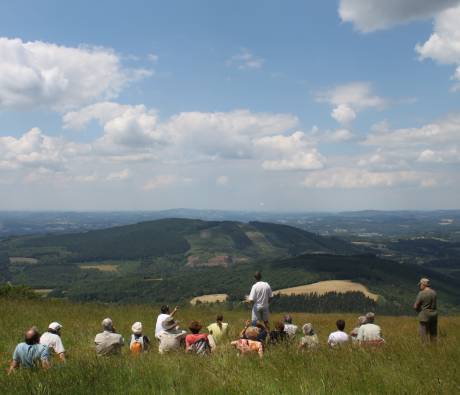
[(429, 329)]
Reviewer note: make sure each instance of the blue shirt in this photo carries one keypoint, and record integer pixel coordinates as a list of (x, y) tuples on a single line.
[(29, 355)]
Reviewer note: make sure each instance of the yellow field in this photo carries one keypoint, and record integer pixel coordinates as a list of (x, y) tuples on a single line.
[(20, 260), (212, 298), (101, 267), (43, 291), (322, 287)]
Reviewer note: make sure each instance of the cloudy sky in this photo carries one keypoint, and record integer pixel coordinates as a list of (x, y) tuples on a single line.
[(260, 105)]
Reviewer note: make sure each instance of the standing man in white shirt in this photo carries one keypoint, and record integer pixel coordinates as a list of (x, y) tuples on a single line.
[(260, 297), (52, 339)]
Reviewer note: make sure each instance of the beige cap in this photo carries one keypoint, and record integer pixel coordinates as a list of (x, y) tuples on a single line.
[(424, 281)]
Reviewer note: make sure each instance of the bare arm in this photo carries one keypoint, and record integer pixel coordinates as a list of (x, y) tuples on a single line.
[(62, 356), (174, 311), (45, 364), (13, 366)]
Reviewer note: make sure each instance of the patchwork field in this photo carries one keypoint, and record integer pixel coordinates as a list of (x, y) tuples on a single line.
[(20, 260), (209, 299), (323, 287), (402, 366), (101, 267)]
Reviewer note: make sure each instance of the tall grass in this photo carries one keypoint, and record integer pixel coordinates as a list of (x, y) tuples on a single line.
[(402, 366)]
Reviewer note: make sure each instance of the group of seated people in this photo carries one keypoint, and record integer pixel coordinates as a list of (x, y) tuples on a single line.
[(253, 338)]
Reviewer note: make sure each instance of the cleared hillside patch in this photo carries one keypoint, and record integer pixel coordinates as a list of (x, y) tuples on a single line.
[(213, 298), (21, 260), (323, 287), (106, 268)]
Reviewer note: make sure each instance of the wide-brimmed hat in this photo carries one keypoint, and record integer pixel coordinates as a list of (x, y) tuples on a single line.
[(137, 328), (252, 332), (55, 326), (169, 323), (195, 326)]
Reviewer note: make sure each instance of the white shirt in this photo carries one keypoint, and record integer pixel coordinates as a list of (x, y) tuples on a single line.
[(260, 294), (159, 325), (337, 337), (53, 342), (290, 329), (369, 332)]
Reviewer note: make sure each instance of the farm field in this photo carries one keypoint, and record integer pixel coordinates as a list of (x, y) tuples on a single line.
[(323, 287), (402, 366)]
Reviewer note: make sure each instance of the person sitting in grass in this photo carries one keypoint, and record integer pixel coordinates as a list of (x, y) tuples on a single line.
[(338, 337), (278, 335), (52, 339), (370, 333), (262, 335), (198, 343), (171, 337), (30, 353), (310, 338), (164, 314), (218, 329), (289, 327), (139, 343), (108, 342), (249, 345), (354, 332)]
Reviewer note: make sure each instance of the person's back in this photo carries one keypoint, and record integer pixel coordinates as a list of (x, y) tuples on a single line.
[(170, 340), (53, 342), (290, 329), (338, 337), (427, 301), (108, 343), (369, 333), (218, 331), (30, 355), (260, 294)]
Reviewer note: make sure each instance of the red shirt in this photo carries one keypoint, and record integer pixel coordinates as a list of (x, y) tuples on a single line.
[(192, 339)]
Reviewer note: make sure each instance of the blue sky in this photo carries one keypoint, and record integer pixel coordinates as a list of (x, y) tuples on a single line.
[(265, 105)]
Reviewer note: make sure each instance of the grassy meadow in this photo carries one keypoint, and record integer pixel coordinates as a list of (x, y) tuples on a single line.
[(402, 366)]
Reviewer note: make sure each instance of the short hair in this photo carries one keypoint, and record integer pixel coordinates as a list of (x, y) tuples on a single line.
[(279, 326), (340, 325), (258, 276), (164, 309), (287, 318), (32, 336), (220, 317), (107, 324)]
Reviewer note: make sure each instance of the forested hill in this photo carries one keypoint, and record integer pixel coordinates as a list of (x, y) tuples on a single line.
[(198, 242)]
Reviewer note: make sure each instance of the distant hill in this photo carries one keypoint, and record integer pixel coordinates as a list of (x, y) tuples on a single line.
[(200, 243)]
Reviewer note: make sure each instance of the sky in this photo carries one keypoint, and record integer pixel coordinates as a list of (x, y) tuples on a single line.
[(236, 105)]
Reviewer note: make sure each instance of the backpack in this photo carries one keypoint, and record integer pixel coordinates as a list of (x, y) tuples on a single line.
[(137, 345), (200, 347)]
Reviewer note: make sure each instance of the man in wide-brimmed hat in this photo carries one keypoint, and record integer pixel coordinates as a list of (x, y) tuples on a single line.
[(171, 337), (426, 306)]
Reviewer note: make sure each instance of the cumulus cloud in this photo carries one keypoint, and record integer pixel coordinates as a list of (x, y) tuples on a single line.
[(246, 60), (352, 178), (34, 150), (443, 46), (371, 15), (39, 74), (349, 99), (443, 131)]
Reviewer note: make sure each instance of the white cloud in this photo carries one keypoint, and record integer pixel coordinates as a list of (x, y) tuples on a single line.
[(152, 57), (343, 114), (246, 60), (34, 150), (349, 99), (119, 175), (160, 181), (443, 45), (38, 74), (443, 131), (371, 15), (441, 156), (351, 178)]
